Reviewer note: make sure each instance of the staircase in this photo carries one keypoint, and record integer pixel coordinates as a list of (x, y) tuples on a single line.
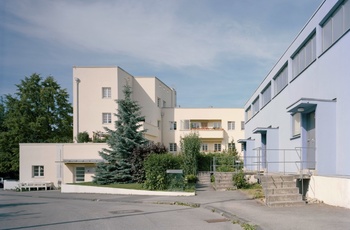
[(203, 177), (223, 181), (281, 191)]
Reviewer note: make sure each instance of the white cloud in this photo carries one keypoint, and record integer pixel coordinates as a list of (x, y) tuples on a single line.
[(150, 30)]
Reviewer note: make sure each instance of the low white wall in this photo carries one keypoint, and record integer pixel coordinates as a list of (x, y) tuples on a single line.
[(330, 190), (68, 188), (11, 184)]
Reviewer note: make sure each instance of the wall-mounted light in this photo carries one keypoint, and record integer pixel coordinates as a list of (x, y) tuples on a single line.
[(301, 109)]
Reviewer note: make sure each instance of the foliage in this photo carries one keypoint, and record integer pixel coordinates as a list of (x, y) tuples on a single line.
[(204, 161), (39, 112), (122, 141), (239, 180), (83, 137), (99, 137), (156, 166), (190, 147), (139, 155), (135, 186)]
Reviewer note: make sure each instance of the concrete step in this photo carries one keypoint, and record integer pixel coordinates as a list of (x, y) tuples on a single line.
[(286, 203), (288, 184), (276, 191), (279, 178), (283, 197)]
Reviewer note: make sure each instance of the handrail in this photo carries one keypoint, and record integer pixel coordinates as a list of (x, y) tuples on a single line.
[(265, 163)]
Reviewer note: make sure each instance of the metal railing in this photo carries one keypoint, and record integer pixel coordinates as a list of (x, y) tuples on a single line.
[(292, 163)]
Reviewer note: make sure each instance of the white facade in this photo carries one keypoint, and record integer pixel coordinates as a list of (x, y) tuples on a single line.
[(95, 91), (298, 114)]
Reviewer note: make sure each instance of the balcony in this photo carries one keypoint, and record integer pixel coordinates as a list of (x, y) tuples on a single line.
[(209, 133)]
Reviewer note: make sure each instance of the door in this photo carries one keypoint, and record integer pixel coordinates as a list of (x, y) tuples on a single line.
[(79, 174), (263, 150), (311, 140)]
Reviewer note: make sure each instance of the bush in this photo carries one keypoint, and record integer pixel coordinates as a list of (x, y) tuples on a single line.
[(239, 180), (190, 147), (155, 168), (138, 157), (83, 137)]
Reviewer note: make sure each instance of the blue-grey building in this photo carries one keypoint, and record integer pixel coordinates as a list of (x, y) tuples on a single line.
[(298, 119)]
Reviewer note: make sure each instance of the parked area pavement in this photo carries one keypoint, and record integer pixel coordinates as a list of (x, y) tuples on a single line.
[(87, 211)]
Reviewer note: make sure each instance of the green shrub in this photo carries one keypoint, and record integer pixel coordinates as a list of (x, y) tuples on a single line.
[(190, 147), (239, 180), (83, 137), (155, 168)]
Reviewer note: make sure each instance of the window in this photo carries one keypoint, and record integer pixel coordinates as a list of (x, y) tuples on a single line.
[(79, 174), (266, 95), (242, 125), (248, 113), (172, 147), (296, 124), (204, 147), (106, 118), (172, 125), (185, 124), (217, 125), (158, 102), (231, 146), (195, 125), (335, 25), (305, 55), (158, 124), (230, 125), (281, 80), (106, 92), (164, 104), (217, 147), (256, 106), (38, 170)]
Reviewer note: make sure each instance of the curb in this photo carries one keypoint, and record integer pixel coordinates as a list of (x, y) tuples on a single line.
[(232, 217)]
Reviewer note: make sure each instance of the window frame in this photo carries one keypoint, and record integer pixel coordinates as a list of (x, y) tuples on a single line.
[(266, 95), (231, 125), (38, 171), (106, 118), (296, 125), (242, 125), (173, 125), (106, 92), (217, 147), (281, 79), (172, 147)]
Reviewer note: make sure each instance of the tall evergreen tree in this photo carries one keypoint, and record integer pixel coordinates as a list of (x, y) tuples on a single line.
[(39, 112), (126, 137)]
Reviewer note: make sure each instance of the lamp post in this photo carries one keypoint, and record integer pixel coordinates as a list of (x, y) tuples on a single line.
[(77, 80)]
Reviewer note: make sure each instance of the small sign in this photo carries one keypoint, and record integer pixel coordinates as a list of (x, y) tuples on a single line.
[(177, 171)]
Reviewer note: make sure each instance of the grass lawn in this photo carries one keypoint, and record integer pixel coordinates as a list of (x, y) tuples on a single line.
[(126, 186), (255, 191), (135, 186)]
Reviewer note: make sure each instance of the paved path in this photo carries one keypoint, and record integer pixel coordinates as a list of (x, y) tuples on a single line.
[(235, 205)]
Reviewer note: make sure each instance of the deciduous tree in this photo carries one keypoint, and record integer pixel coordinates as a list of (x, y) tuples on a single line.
[(39, 112)]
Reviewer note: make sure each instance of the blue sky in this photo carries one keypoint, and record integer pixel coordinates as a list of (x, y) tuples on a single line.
[(213, 52)]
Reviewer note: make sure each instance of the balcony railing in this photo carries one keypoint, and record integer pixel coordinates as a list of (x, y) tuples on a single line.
[(212, 133)]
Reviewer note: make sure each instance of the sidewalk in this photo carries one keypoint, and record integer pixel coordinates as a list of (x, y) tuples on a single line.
[(234, 205)]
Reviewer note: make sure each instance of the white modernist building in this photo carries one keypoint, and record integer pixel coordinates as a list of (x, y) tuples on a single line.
[(297, 119), (94, 93)]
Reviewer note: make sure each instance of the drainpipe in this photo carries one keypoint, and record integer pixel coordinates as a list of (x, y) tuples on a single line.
[(77, 80)]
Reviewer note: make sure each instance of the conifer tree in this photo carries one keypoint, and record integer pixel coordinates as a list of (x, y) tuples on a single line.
[(116, 167)]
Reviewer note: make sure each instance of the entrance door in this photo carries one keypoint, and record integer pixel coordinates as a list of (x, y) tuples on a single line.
[(311, 140), (79, 174), (263, 150)]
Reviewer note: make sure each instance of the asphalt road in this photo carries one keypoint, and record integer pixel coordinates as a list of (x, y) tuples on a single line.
[(30, 211)]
